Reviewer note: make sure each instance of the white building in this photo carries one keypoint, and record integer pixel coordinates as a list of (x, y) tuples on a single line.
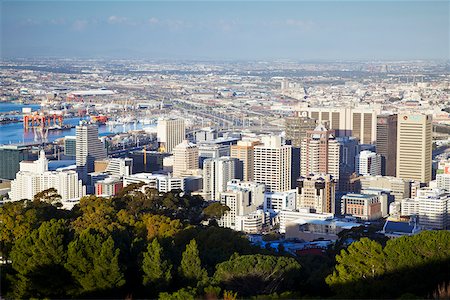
[(34, 177), (280, 200), (368, 163), (272, 164), (185, 158), (288, 216), (120, 166), (163, 183), (443, 181), (431, 205), (243, 199), (170, 132), (216, 174)]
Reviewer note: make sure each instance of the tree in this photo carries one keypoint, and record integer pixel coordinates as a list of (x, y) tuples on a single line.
[(39, 261), (191, 267), (94, 262), (182, 294), (161, 226), (157, 270), (98, 214), (18, 219), (215, 210), (257, 274), (49, 196)]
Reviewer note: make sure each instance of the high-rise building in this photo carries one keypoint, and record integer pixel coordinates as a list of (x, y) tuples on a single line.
[(368, 163), (272, 164), (70, 146), (34, 177), (89, 149), (244, 152), (320, 153), (317, 193), (210, 150), (348, 149), (216, 174), (414, 142), (170, 132), (185, 158), (296, 128), (360, 122), (10, 157), (120, 166), (386, 144)]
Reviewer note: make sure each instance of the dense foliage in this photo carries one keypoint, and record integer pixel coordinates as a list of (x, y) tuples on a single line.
[(147, 244)]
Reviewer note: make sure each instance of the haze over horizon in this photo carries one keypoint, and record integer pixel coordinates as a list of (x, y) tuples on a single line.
[(297, 30)]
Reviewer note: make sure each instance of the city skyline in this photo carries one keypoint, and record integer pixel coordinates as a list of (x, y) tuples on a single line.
[(215, 30)]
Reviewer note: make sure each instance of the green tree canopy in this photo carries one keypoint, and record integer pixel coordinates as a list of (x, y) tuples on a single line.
[(49, 196), (157, 270), (94, 262), (39, 261), (257, 274), (191, 267), (215, 210)]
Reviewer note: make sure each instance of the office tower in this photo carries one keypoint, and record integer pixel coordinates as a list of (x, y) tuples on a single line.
[(360, 122), (89, 149), (244, 152), (243, 198), (120, 166), (272, 164), (348, 149), (368, 163), (10, 157), (386, 144), (216, 173), (296, 128), (317, 193), (431, 205), (210, 150), (398, 188), (364, 206), (170, 132), (185, 158), (320, 153), (33, 177), (70, 148), (443, 181), (147, 161), (414, 147)]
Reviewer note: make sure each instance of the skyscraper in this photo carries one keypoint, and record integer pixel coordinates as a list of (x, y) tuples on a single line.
[(296, 128), (89, 149), (10, 157), (320, 153), (414, 142), (244, 151), (386, 144), (216, 173), (170, 133), (272, 164), (185, 157), (360, 122)]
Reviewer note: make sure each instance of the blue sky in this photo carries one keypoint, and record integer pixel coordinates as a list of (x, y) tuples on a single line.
[(300, 30)]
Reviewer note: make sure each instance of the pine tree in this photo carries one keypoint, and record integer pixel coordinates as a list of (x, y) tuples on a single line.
[(157, 271), (191, 267), (94, 262)]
